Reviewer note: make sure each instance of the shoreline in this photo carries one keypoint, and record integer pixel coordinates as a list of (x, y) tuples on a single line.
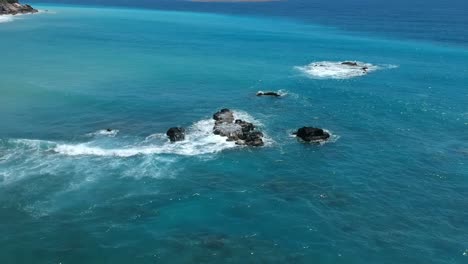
[(13, 7)]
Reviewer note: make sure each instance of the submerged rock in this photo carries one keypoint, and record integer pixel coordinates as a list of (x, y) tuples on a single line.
[(275, 94), (13, 7), (312, 134), (176, 134), (240, 131), (349, 63), (337, 69)]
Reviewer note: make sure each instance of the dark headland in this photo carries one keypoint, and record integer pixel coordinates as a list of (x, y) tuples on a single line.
[(13, 7)]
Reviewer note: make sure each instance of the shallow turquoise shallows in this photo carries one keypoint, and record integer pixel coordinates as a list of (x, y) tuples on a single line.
[(389, 187)]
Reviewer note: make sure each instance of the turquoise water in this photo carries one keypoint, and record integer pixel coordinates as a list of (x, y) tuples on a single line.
[(430, 20), (389, 188)]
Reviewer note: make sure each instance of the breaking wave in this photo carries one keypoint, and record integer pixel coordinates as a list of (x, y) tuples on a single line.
[(280, 92), (104, 132), (6, 18), (338, 70), (333, 138), (199, 140)]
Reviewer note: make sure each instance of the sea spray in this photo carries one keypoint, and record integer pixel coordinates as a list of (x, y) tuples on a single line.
[(339, 70)]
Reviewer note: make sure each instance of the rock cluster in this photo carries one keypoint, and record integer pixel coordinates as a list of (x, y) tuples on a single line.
[(12, 7), (245, 133), (240, 131), (312, 134)]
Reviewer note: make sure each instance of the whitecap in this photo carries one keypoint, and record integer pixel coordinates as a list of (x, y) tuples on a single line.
[(280, 92), (105, 132), (154, 156), (6, 18), (239, 114), (10, 18), (199, 140), (338, 70), (332, 139)]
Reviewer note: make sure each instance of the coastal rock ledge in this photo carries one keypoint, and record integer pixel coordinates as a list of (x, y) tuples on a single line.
[(240, 131), (13, 7)]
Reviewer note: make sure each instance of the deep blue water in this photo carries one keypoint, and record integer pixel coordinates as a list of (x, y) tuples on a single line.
[(444, 21), (389, 188)]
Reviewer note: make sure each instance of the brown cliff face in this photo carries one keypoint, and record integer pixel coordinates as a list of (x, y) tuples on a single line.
[(13, 7)]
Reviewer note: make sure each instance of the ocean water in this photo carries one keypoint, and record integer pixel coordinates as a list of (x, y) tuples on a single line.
[(438, 21), (390, 187)]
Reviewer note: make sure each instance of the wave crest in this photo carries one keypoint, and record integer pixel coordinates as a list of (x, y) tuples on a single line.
[(199, 140), (339, 70)]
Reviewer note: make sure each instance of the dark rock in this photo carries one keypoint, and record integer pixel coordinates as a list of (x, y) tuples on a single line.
[(176, 134), (254, 138), (349, 63), (224, 116), (12, 7), (245, 126), (312, 134), (240, 131), (275, 94)]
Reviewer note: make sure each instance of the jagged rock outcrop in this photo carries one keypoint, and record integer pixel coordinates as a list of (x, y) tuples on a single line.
[(176, 134), (13, 7), (240, 131), (312, 134), (275, 94)]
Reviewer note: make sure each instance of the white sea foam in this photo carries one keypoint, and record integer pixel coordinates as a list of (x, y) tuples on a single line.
[(332, 139), (337, 70), (6, 18), (238, 114), (24, 157), (280, 92), (10, 18), (29, 145), (199, 140), (104, 132)]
